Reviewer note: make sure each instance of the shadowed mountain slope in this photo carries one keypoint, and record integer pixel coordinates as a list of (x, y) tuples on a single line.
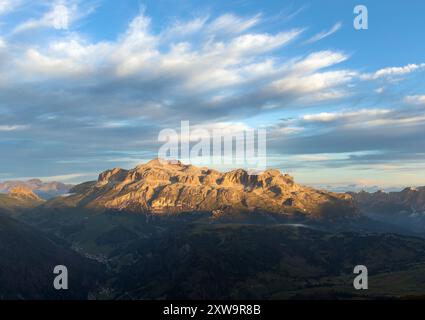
[(27, 261)]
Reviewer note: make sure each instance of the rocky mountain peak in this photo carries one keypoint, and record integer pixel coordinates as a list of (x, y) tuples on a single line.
[(21, 192), (35, 181), (113, 175), (163, 162), (410, 189)]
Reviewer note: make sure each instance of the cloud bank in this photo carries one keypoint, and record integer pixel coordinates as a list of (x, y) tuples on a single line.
[(72, 104)]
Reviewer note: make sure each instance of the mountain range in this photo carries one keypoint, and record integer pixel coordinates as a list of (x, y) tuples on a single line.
[(166, 187), (45, 190), (405, 208), (167, 230)]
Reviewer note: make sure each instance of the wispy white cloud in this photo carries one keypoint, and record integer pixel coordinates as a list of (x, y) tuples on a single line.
[(380, 90), (393, 71), (318, 60), (324, 34), (306, 78), (317, 86), (184, 28), (66, 57), (65, 178), (231, 24), (313, 157), (415, 99), (367, 118), (60, 15), (13, 127), (396, 121), (344, 115), (7, 6)]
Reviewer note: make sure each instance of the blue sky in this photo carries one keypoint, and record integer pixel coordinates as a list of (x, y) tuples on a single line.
[(88, 85)]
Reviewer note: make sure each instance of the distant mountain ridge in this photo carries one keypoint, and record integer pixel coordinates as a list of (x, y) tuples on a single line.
[(406, 207), (45, 190)]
